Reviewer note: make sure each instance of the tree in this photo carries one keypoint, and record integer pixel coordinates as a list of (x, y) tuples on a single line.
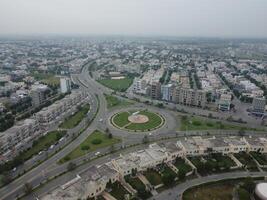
[(241, 132), (71, 166), (181, 174), (249, 185), (27, 188), (107, 130), (167, 179), (110, 136)]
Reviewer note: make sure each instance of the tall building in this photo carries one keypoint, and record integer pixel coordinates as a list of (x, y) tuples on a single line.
[(65, 85), (167, 92), (258, 105), (37, 94), (155, 90), (189, 97)]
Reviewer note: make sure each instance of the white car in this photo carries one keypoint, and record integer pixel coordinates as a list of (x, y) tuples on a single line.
[(97, 153)]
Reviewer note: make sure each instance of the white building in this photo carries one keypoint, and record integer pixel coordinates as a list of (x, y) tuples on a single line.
[(65, 85)]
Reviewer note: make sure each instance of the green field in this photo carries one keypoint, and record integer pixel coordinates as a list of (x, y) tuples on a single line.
[(48, 79), (120, 85), (113, 101), (93, 142), (190, 123), (76, 118), (209, 192), (121, 120), (42, 143)]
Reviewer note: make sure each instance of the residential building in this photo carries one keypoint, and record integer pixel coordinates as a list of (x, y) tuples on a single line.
[(258, 105), (65, 85)]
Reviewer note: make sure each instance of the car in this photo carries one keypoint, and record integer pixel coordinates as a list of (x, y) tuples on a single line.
[(14, 169), (61, 139), (52, 146), (100, 120), (40, 152), (97, 153)]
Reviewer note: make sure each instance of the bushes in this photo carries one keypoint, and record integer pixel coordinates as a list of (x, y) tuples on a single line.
[(96, 141)]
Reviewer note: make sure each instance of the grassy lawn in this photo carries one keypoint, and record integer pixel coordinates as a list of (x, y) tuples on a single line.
[(168, 171), (121, 119), (93, 142), (118, 191), (42, 143), (154, 121), (210, 192), (113, 101), (246, 160), (200, 123), (153, 177), (48, 79), (76, 118), (261, 158), (181, 165), (138, 186), (120, 85)]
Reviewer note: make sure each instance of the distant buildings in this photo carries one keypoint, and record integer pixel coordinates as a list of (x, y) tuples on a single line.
[(258, 105), (48, 115), (17, 138), (224, 103), (190, 97), (65, 85)]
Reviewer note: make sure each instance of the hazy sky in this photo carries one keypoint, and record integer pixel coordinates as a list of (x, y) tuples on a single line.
[(219, 18)]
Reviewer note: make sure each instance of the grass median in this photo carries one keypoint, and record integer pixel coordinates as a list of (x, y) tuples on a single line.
[(113, 101), (94, 141)]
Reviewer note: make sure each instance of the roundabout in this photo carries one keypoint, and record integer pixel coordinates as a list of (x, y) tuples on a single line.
[(137, 120)]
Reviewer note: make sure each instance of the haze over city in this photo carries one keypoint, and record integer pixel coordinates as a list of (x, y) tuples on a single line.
[(186, 18)]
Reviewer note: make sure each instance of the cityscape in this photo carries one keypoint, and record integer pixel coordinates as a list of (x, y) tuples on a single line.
[(132, 116)]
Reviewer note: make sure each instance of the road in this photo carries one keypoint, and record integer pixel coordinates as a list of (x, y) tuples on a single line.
[(176, 192)]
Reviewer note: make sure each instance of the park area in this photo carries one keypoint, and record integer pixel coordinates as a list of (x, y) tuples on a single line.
[(239, 189), (113, 101), (137, 120), (94, 141), (120, 85), (76, 118), (190, 123)]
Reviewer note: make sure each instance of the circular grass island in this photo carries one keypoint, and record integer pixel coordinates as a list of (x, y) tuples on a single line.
[(137, 120)]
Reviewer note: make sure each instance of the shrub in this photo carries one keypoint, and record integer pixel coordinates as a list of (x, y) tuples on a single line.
[(96, 141), (196, 123), (85, 147)]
